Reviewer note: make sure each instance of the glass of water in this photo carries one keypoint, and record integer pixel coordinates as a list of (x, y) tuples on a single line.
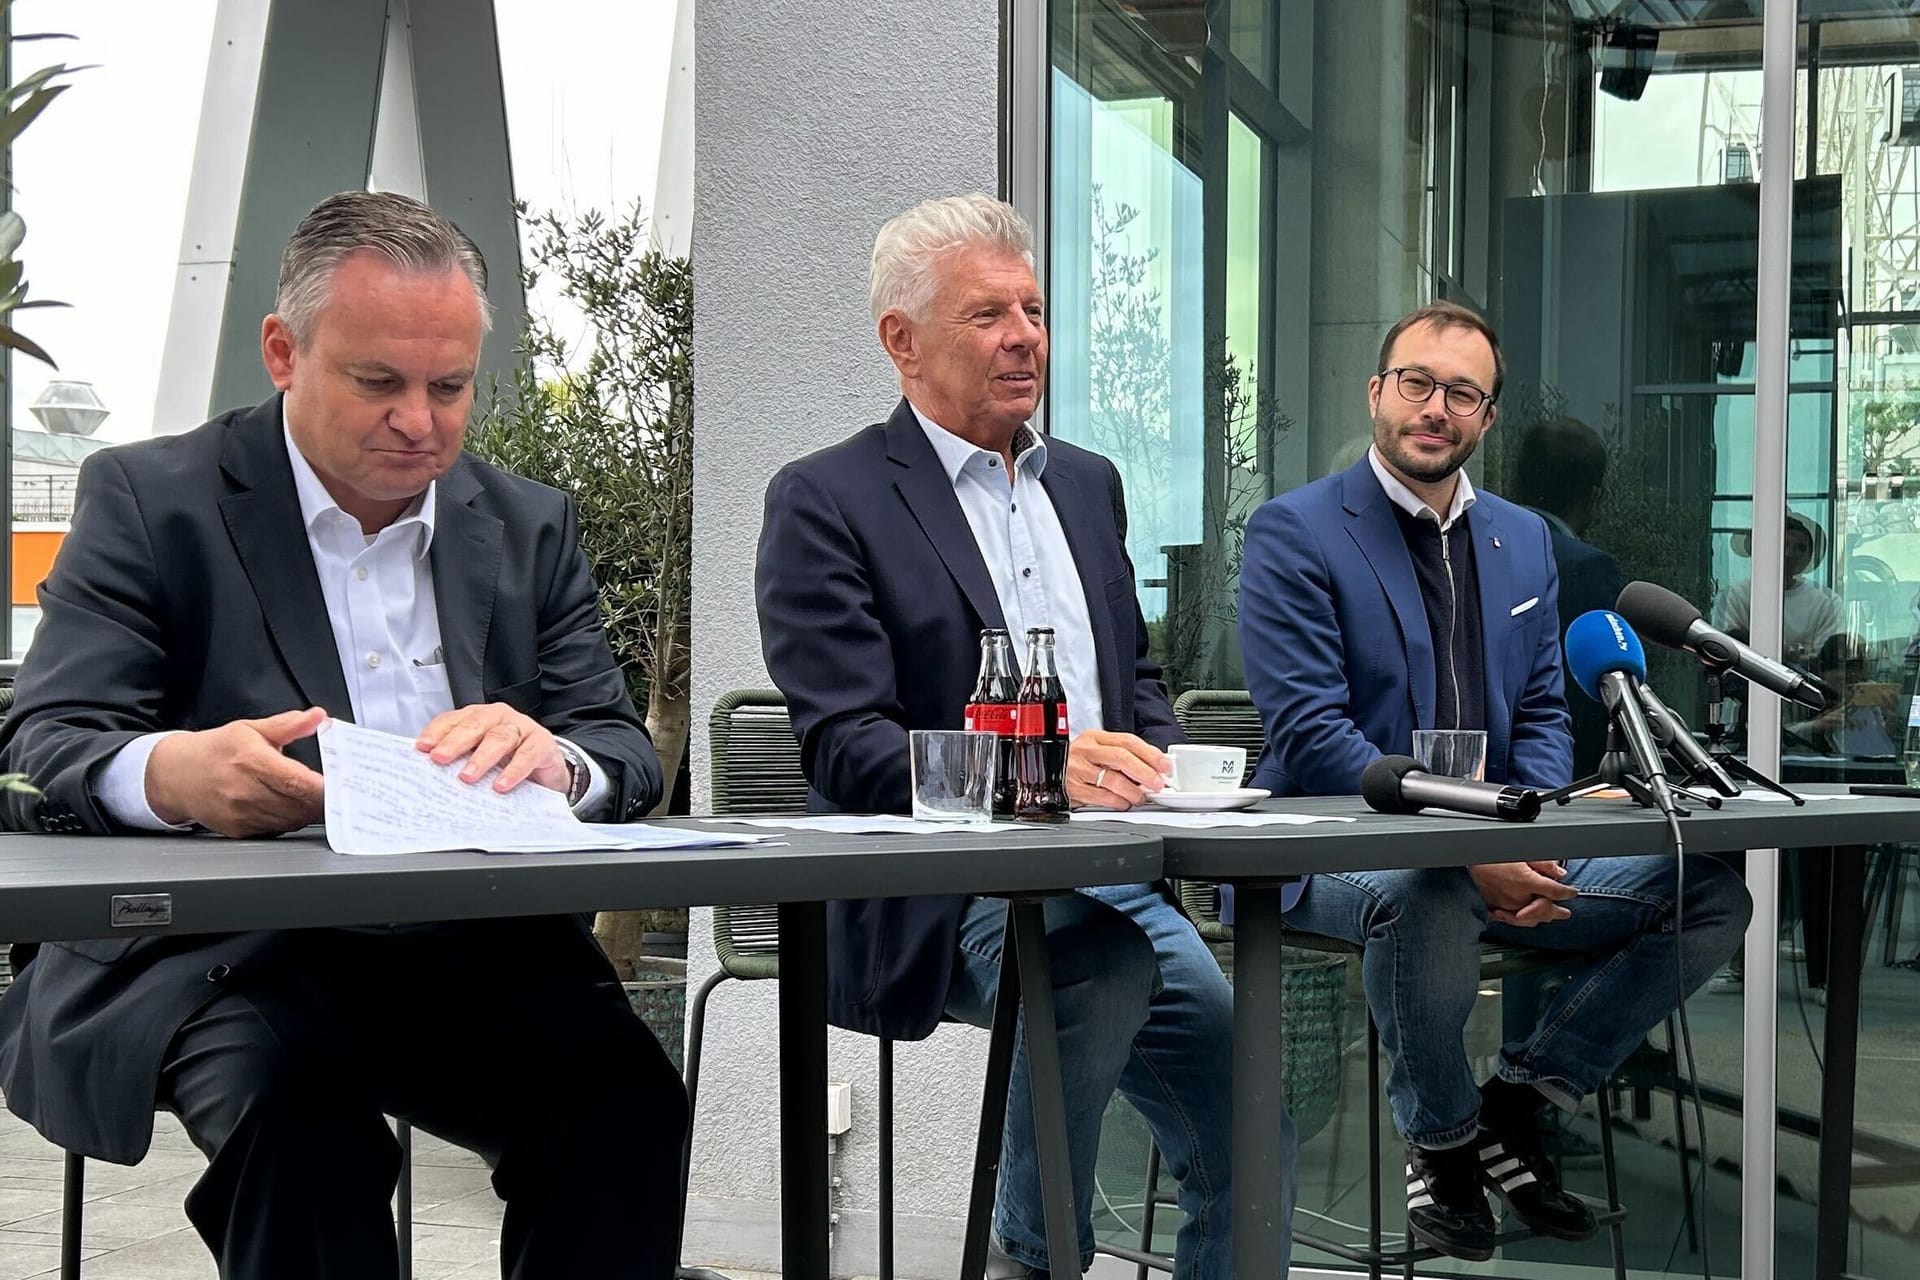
[(1452, 753), (953, 774)]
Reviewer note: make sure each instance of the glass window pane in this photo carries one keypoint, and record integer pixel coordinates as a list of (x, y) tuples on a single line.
[(1223, 269)]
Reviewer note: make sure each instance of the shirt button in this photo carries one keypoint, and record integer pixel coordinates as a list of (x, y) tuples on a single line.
[(1016, 507), (373, 660), (1026, 573), (361, 573), (993, 462)]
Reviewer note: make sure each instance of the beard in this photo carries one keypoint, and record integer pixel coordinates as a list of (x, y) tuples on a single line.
[(1390, 439)]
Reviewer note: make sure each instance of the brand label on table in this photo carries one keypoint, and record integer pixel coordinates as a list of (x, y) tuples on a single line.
[(132, 910), (1030, 720)]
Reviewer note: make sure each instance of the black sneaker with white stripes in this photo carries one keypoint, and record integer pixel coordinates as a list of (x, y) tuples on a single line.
[(1515, 1166), (1446, 1209)]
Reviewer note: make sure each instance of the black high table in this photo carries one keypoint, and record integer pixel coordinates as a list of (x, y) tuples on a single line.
[(74, 887), (1261, 861)]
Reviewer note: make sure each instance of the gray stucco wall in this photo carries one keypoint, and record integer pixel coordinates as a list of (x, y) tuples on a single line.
[(815, 121)]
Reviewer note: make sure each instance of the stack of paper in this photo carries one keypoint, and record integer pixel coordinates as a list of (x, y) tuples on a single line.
[(1167, 818), (875, 824), (386, 796)]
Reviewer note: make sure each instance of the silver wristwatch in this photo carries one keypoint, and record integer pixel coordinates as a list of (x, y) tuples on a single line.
[(579, 777)]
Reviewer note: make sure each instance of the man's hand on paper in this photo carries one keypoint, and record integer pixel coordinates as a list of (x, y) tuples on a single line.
[(493, 733), (235, 780)]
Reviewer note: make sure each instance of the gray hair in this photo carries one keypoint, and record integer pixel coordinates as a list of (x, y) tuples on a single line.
[(400, 229), (900, 277)]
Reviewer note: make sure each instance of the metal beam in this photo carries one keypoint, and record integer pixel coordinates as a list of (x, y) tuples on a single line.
[(463, 146), (1760, 1048), (313, 125)]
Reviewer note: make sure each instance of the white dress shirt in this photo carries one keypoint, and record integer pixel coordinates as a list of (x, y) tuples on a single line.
[(1019, 536), (379, 594), (1404, 498)]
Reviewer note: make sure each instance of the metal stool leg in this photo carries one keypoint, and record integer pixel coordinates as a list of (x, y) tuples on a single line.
[(1615, 1231), (1680, 1138), (73, 1191), (1373, 1149), (993, 1115), (885, 1227), (403, 1199), (1149, 1207), (696, 1034)]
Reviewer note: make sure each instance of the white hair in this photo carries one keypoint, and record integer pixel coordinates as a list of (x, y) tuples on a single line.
[(900, 277)]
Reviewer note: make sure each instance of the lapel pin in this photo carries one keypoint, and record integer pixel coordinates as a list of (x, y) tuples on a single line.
[(1496, 542)]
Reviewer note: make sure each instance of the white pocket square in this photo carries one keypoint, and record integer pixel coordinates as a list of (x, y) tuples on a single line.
[(1521, 608)]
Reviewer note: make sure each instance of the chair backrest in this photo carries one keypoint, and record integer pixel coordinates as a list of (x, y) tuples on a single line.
[(755, 759), (754, 772), (1222, 717)]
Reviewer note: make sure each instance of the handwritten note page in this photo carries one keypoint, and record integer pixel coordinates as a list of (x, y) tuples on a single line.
[(385, 796)]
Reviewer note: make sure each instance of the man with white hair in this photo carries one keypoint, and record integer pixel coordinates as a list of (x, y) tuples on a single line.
[(881, 559)]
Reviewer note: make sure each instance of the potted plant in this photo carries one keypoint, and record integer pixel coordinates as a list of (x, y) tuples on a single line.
[(609, 419)]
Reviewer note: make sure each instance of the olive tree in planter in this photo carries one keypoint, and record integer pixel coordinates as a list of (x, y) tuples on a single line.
[(609, 419)]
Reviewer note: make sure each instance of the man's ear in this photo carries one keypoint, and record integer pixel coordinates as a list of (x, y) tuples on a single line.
[(901, 343), (278, 351)]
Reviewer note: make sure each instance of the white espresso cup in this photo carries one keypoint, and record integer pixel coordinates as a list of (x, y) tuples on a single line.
[(1199, 767)]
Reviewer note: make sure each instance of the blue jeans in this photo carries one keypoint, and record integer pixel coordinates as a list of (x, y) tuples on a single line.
[(1422, 932), (1141, 1006)]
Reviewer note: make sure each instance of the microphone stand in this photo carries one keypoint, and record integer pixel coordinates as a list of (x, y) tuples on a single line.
[(1616, 769), (1723, 754)]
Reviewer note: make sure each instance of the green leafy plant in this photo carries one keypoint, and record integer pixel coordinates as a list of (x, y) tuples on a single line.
[(24, 100), (609, 420)]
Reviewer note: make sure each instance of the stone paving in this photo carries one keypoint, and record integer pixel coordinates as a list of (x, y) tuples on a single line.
[(136, 1229)]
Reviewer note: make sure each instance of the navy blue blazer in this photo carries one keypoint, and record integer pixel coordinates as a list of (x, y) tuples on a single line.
[(872, 595), (1338, 654)]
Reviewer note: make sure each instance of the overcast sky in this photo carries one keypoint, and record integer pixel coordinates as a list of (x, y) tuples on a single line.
[(101, 178)]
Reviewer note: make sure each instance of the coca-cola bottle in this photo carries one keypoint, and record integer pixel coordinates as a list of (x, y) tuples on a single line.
[(991, 710), (1040, 735)]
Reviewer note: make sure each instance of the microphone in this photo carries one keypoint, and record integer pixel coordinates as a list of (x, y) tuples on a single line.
[(1605, 659), (1398, 784), (1671, 732), (1669, 620)]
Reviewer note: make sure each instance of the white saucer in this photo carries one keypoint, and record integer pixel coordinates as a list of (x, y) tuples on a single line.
[(1209, 801)]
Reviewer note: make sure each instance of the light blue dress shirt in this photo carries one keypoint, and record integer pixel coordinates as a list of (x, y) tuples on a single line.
[(1020, 538)]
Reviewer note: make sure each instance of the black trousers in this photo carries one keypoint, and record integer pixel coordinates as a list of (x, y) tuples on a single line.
[(509, 1038)]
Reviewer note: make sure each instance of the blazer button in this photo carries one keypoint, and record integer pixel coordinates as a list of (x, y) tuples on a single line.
[(218, 972)]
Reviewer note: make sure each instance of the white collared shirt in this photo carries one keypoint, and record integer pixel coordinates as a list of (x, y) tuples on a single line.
[(1020, 538), (378, 590), (1404, 498)]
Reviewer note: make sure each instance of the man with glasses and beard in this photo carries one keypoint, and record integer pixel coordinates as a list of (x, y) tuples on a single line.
[(1392, 597)]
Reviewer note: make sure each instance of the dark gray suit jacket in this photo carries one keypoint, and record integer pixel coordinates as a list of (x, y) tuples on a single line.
[(185, 597)]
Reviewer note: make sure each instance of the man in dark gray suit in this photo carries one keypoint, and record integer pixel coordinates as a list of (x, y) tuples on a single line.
[(332, 552)]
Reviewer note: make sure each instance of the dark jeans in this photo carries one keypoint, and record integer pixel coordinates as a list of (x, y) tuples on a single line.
[(509, 1038)]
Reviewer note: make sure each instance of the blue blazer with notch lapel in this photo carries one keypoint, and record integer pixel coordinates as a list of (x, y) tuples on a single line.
[(1339, 656), (872, 594)]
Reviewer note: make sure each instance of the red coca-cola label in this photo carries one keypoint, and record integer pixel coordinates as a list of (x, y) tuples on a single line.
[(1030, 720), (990, 717)]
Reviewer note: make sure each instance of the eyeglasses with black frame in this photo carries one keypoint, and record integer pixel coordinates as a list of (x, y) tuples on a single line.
[(1463, 399)]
